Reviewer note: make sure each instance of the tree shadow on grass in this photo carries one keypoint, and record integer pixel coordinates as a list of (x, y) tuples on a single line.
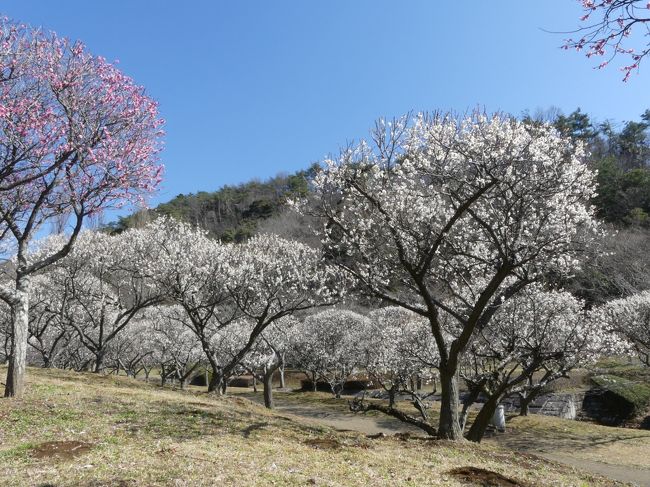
[(553, 441), (246, 432), (179, 421)]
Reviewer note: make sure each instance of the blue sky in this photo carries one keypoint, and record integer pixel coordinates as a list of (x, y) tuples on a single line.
[(253, 88)]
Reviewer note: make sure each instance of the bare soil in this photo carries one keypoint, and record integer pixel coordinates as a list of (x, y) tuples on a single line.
[(324, 443), (61, 450), (482, 477)]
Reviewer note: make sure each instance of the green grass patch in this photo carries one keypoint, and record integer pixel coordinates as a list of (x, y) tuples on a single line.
[(636, 393)]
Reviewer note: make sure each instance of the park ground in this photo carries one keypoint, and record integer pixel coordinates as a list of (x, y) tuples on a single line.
[(81, 429)]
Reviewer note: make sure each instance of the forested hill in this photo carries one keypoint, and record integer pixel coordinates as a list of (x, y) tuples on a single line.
[(232, 213), (620, 153)]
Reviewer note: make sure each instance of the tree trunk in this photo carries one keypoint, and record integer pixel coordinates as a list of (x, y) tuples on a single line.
[(449, 423), (314, 384), (523, 411), (15, 384), (282, 381), (358, 405), (524, 402), (268, 387), (215, 382), (391, 397), (482, 421), (99, 363), (470, 399)]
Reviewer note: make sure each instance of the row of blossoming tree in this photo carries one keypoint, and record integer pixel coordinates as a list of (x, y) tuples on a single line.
[(104, 309), (456, 223)]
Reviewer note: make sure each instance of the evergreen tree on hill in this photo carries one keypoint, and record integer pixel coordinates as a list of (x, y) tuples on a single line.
[(232, 213)]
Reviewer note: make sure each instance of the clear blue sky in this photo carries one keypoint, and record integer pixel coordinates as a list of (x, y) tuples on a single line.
[(253, 88)]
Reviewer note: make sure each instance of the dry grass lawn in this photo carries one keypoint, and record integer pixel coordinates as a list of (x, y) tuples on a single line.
[(121, 432)]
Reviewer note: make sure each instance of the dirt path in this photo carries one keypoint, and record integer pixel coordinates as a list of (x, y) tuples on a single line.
[(371, 425), (342, 421), (368, 425), (634, 475), (610, 457)]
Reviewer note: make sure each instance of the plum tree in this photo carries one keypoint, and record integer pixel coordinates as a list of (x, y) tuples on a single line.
[(451, 217), (76, 136), (330, 346), (534, 338), (630, 319), (101, 286), (610, 27), (400, 355)]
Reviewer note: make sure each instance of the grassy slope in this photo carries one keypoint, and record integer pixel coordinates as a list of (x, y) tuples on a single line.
[(143, 435)]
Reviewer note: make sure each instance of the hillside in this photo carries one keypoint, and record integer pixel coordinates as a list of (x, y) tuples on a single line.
[(232, 213), (122, 432)]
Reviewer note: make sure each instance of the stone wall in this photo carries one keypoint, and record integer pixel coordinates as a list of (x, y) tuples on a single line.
[(561, 405)]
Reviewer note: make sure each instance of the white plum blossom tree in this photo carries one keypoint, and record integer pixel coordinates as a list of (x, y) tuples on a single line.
[(450, 217), (133, 350), (177, 349), (270, 352), (192, 270), (103, 288), (400, 355), (48, 335), (400, 350), (262, 280), (5, 332), (630, 319), (532, 340), (330, 346), (275, 278)]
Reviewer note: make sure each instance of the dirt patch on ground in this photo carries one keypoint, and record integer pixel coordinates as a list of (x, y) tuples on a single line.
[(324, 443), (62, 450), (482, 477)]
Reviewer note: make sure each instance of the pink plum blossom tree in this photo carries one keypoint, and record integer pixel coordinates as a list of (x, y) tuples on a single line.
[(77, 136), (609, 28)]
